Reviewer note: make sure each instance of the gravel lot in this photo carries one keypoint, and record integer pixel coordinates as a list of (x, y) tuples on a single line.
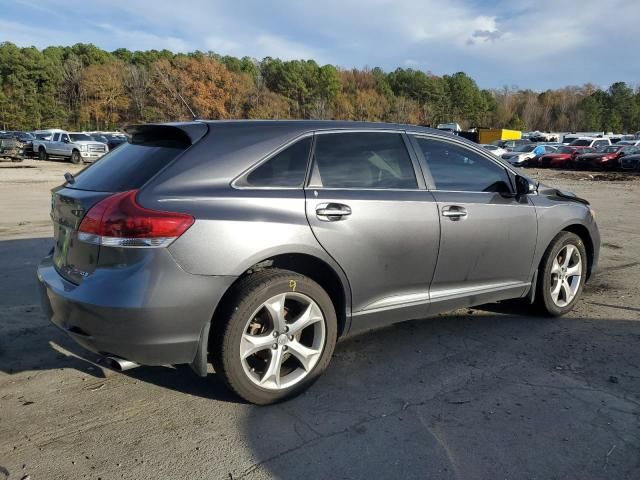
[(486, 393)]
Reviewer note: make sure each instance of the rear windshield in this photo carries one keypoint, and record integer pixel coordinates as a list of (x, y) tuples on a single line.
[(133, 164), (125, 168)]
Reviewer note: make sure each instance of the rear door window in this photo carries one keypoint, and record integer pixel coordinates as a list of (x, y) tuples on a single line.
[(366, 160)]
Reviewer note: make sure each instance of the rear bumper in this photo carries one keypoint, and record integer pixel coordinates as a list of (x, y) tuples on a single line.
[(151, 316)]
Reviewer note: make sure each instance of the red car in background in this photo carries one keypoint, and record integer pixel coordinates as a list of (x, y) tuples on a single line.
[(608, 158), (563, 157)]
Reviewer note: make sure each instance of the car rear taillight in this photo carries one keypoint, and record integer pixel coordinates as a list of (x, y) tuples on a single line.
[(119, 221)]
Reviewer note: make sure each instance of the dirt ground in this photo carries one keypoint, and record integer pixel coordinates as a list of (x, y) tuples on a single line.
[(485, 393)]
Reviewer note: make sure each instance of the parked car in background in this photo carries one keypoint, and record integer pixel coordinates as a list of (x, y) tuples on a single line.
[(607, 158), (26, 138), (450, 127), (634, 143), (590, 142), (630, 162), (495, 149), (521, 155), (10, 147), (563, 157), (230, 243), (114, 140), (75, 147), (620, 138), (509, 145), (567, 138), (543, 137)]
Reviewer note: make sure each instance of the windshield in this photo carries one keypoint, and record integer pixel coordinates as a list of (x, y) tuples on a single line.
[(524, 148), (565, 150), (79, 137), (609, 149), (580, 143)]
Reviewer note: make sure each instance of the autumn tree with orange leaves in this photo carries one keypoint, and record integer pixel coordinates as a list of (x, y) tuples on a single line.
[(83, 87), (104, 98)]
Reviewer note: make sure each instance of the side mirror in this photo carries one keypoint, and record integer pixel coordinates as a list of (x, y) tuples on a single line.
[(65, 140), (523, 186)]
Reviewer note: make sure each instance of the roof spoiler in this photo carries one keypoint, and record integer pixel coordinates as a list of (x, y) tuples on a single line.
[(167, 134)]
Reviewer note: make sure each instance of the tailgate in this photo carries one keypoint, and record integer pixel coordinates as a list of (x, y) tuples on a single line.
[(73, 259)]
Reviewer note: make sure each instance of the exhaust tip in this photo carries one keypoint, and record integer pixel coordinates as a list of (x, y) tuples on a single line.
[(120, 364)]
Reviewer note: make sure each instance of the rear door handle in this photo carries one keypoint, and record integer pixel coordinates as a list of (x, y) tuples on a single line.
[(454, 212), (332, 211)]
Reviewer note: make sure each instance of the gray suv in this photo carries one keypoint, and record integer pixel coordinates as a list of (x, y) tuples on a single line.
[(255, 245)]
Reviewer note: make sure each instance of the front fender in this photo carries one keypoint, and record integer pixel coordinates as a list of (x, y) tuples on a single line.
[(557, 213)]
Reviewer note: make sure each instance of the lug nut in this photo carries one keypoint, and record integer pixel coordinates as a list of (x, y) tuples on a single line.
[(284, 348), (286, 329), (275, 334), (290, 337), (274, 346)]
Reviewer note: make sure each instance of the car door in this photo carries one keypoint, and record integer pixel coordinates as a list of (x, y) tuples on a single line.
[(54, 145), (369, 210), (65, 145), (488, 236)]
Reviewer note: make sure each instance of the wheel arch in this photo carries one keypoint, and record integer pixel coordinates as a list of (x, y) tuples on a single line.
[(335, 284), (582, 232), (315, 268)]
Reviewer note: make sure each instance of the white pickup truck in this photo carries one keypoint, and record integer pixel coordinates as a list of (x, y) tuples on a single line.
[(76, 147)]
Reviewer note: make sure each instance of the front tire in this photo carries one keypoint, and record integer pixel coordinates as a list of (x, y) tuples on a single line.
[(42, 154), (562, 274), (278, 336), (75, 157)]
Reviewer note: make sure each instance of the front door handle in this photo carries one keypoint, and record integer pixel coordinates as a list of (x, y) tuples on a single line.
[(332, 211), (454, 212)]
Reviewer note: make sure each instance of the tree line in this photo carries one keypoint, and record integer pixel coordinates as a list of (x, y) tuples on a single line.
[(83, 87)]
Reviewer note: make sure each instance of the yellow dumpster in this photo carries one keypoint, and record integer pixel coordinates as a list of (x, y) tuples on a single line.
[(488, 135)]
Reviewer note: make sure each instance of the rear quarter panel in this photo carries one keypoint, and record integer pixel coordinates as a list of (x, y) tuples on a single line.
[(238, 228)]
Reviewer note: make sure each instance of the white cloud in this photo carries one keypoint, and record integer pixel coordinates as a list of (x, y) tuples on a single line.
[(272, 45)]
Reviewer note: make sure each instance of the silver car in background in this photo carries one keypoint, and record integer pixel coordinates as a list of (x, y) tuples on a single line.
[(256, 245)]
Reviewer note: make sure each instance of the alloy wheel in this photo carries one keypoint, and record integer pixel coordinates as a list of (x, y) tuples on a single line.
[(566, 275), (282, 341)]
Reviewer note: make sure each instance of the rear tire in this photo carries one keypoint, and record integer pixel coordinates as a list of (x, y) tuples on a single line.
[(276, 336), (75, 157), (561, 275), (42, 154)]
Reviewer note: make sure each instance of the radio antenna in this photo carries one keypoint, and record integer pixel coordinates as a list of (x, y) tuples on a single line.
[(174, 91)]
